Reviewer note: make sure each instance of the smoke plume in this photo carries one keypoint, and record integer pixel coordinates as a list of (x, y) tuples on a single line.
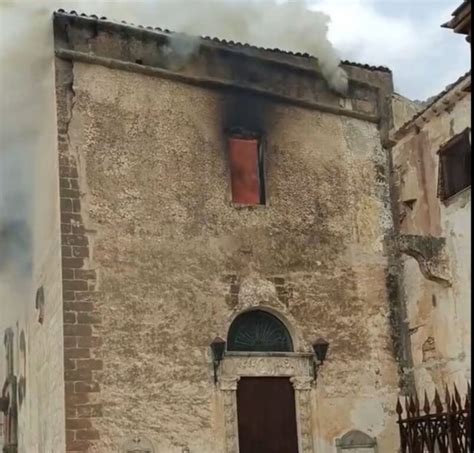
[(27, 128), (288, 26)]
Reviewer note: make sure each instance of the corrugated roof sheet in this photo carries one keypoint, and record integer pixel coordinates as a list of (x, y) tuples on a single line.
[(223, 41)]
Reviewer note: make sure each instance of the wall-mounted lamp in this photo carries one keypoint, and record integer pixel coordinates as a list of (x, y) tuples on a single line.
[(218, 349), (320, 349)]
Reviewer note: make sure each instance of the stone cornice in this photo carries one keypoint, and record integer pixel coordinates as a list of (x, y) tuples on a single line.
[(285, 78)]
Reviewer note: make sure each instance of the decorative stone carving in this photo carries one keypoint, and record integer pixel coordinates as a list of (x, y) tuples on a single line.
[(298, 367), (228, 386), (430, 253), (356, 442), (302, 382), (229, 383), (302, 386), (254, 291), (138, 444)]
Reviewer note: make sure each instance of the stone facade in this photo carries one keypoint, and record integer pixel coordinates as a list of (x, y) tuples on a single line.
[(157, 261), (435, 238), (154, 260)]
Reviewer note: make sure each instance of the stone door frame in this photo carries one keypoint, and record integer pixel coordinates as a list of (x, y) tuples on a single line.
[(296, 366)]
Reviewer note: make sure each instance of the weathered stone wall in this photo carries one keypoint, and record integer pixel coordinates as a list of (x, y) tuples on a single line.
[(37, 332), (176, 262), (438, 291), (403, 109)]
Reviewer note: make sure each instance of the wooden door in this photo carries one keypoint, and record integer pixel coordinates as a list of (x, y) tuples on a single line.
[(266, 415)]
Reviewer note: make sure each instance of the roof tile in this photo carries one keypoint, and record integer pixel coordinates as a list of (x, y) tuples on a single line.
[(231, 43)]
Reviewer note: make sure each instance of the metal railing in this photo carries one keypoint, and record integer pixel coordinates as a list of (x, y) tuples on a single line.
[(436, 427)]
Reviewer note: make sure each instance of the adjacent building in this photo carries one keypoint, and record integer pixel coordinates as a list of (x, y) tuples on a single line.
[(432, 192), (460, 21)]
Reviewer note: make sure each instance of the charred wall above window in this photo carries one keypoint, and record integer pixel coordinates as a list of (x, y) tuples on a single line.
[(272, 74)]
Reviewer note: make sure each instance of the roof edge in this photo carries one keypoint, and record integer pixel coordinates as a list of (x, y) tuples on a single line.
[(228, 43), (460, 84)]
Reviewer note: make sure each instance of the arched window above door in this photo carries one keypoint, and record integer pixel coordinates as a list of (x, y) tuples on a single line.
[(258, 331)]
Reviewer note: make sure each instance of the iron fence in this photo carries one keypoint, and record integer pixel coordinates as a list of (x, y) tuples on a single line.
[(436, 427)]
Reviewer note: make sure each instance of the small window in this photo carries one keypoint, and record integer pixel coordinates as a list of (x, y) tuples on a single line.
[(246, 168), (454, 165)]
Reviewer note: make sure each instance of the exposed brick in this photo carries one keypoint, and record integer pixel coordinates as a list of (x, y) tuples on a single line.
[(77, 353), (69, 217), (85, 342), (69, 317), (68, 295), (68, 171), (89, 364), (78, 375), (71, 411), (66, 205), (78, 423), (70, 435), (70, 342), (84, 274), (73, 263), (66, 228), (77, 398), (78, 229), (85, 295), (80, 252), (230, 278), (234, 289), (76, 205), (91, 387), (74, 239), (64, 183), (64, 160), (69, 364), (79, 330), (232, 299), (68, 274), (87, 434), (77, 445), (66, 251), (78, 306), (75, 285), (88, 318), (79, 315), (90, 410), (70, 193)]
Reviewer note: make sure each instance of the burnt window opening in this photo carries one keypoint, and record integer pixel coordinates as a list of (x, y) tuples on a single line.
[(454, 165), (247, 169)]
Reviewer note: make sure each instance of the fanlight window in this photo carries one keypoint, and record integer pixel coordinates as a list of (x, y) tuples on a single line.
[(258, 331)]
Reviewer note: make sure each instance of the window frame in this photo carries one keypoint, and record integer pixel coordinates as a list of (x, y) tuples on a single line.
[(446, 148), (261, 163)]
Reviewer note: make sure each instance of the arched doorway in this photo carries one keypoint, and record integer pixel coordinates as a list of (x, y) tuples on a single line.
[(258, 331), (266, 409)]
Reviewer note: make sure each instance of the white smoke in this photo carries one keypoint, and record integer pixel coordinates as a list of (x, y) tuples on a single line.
[(290, 26), (27, 125)]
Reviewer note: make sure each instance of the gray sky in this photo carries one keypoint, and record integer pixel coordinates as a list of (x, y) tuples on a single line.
[(404, 35)]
